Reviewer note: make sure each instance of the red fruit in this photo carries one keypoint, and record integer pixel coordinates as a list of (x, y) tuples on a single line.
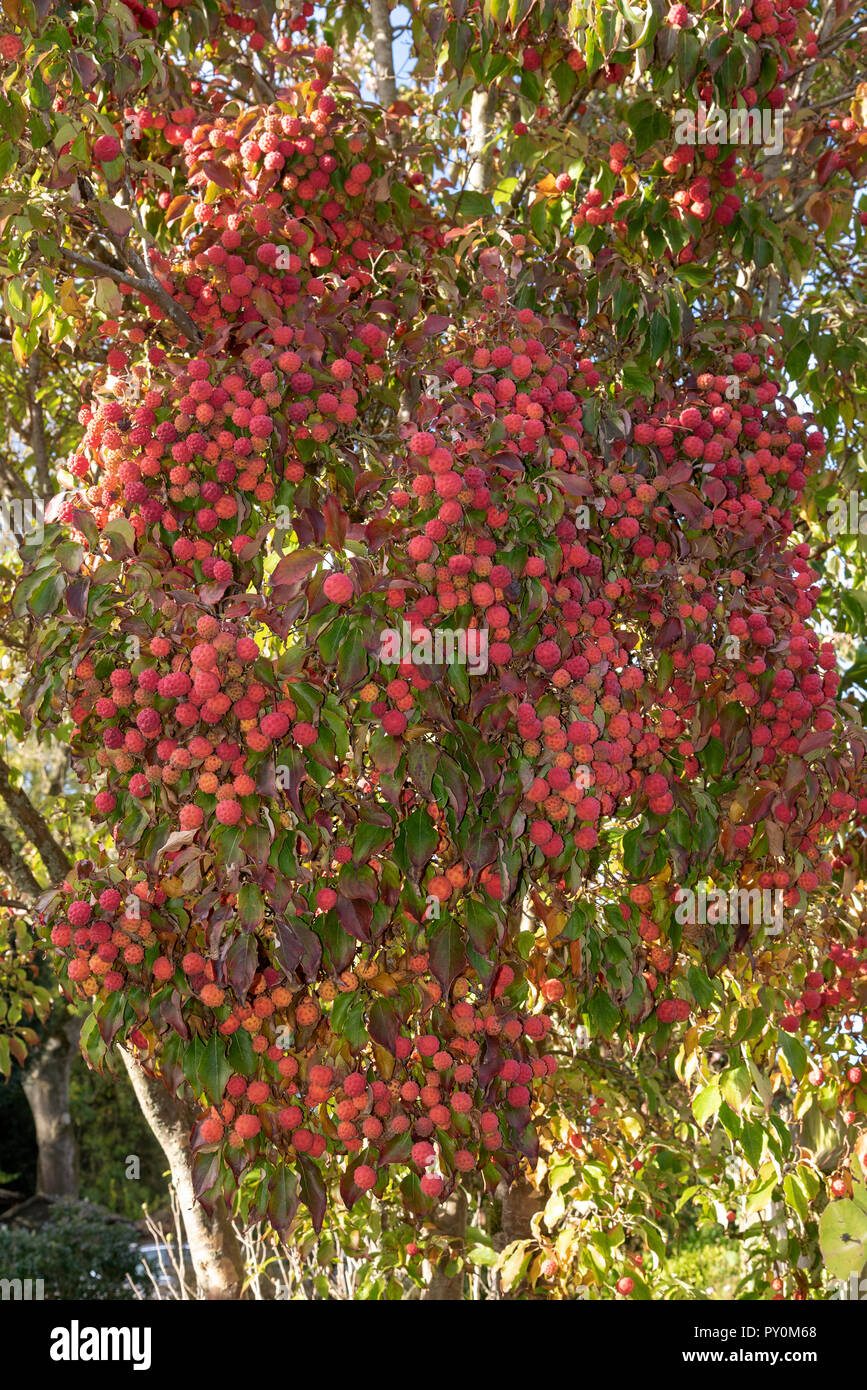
[(79, 913), (854, 1074), (247, 1126), (106, 148), (338, 588), (625, 1285)]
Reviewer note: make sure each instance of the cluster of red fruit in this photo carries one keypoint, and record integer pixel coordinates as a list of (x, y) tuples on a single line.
[(823, 994)]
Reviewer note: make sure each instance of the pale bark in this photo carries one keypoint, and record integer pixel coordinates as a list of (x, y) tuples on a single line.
[(45, 1083), (383, 53), (215, 1251), (482, 108)]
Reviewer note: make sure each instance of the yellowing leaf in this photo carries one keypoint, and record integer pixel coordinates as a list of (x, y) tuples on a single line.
[(383, 983), (547, 187), (554, 924)]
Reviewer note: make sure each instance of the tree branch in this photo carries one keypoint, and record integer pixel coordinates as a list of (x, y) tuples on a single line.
[(15, 869), (37, 427), (34, 827), (383, 53), (566, 114), (143, 281)]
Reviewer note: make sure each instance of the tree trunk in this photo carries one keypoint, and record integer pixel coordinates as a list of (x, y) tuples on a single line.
[(520, 1203), (383, 53), (214, 1247), (451, 1221), (46, 1085), (482, 108)]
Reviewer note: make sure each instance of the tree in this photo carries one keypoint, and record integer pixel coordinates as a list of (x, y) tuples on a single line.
[(427, 596)]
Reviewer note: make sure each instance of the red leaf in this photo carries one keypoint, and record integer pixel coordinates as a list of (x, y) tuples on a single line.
[(295, 567), (355, 916), (218, 174), (383, 1024), (177, 207), (447, 955)]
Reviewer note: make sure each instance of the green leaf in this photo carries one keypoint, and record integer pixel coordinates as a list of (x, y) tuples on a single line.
[(794, 1053), (603, 1014), (701, 985), (214, 1069), (47, 595), (762, 1190), (843, 1238), (795, 1197), (251, 906), (736, 1085), (416, 840), (752, 1143), (539, 217), (472, 205), (347, 1018), (482, 1255), (706, 1103), (351, 661), (713, 756)]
